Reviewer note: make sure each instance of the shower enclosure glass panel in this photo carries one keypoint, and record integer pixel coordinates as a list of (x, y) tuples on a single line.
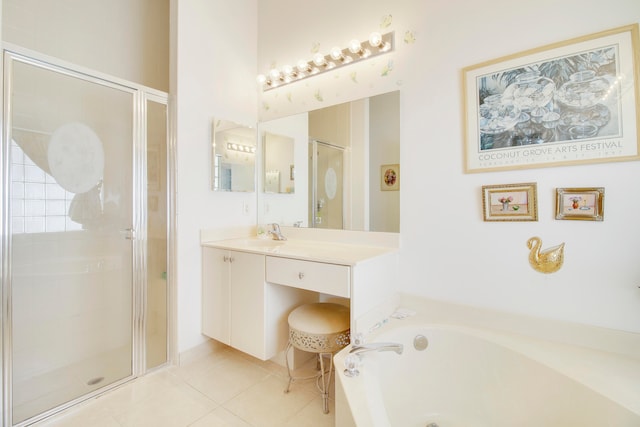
[(326, 167), (71, 236), (157, 226)]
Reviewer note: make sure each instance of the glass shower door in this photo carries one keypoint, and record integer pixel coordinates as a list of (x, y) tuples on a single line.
[(71, 235), (327, 174)]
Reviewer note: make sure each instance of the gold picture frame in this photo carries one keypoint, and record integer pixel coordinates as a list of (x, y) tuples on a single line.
[(572, 102), (390, 177), (583, 204), (510, 202)]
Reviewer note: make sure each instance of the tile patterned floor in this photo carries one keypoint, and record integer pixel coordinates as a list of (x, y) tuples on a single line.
[(223, 388)]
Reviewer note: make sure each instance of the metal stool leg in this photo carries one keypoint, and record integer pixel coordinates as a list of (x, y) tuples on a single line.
[(286, 361), (326, 381), (291, 377)]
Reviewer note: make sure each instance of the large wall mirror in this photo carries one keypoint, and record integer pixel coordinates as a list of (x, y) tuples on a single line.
[(233, 163), (346, 167)]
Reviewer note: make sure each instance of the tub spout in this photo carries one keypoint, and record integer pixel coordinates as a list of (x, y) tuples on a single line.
[(353, 360), (376, 346)]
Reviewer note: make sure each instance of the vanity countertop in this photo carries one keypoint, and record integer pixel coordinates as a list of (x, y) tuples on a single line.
[(309, 250)]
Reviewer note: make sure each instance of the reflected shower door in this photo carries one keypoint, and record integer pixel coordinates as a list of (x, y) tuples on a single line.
[(327, 174), (71, 235)]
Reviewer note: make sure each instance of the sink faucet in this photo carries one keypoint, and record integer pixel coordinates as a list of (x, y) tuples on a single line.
[(376, 346), (275, 232)]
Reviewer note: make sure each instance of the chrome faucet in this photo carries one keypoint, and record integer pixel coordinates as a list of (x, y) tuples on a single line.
[(354, 359), (376, 346), (275, 232)]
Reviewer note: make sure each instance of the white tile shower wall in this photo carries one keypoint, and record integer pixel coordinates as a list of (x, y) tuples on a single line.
[(38, 203)]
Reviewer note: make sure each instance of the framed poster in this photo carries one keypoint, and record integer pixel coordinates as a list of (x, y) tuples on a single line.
[(567, 103)]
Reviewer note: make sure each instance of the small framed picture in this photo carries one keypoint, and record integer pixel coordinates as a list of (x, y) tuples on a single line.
[(390, 177), (510, 202), (586, 204)]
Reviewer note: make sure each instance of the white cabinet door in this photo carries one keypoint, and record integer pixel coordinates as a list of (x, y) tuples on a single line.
[(248, 304), (216, 296)]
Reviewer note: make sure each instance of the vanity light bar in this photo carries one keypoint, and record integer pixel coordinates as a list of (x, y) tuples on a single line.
[(377, 44), (241, 148)]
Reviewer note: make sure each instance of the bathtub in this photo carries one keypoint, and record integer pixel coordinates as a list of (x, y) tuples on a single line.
[(480, 377)]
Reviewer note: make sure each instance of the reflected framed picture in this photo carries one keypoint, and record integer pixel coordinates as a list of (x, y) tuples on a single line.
[(585, 204), (510, 202), (390, 177), (571, 102)]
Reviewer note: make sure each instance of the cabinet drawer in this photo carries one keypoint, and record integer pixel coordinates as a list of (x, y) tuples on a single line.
[(313, 276)]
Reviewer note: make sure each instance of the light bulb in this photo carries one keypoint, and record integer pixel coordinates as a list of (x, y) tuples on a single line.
[(303, 66), (319, 60), (275, 74), (336, 53), (355, 46), (261, 79), (375, 40), (288, 70)]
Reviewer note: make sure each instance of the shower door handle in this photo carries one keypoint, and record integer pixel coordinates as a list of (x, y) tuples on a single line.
[(129, 233)]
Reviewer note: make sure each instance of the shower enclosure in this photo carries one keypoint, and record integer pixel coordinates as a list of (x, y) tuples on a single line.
[(326, 185), (85, 235)]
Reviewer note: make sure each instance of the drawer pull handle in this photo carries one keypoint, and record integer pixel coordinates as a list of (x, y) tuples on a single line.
[(228, 259), (301, 275)]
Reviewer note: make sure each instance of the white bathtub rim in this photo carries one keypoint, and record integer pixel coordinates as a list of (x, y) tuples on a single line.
[(612, 375), (562, 331)]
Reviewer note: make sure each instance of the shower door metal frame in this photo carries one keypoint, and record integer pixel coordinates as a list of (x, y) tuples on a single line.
[(140, 95)]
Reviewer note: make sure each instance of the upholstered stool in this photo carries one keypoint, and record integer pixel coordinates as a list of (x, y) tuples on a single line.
[(321, 328)]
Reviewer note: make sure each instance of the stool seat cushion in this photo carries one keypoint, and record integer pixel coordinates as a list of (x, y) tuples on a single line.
[(319, 327), (320, 318)]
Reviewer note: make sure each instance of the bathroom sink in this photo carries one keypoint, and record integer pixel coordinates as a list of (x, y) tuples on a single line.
[(263, 243)]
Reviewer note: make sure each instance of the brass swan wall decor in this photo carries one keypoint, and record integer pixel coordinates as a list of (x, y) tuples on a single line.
[(546, 261)]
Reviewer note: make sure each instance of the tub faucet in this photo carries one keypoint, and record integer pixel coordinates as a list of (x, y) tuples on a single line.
[(376, 346), (275, 232), (353, 360)]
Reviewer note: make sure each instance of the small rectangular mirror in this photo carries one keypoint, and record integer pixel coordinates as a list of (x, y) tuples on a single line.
[(234, 157), (279, 169)]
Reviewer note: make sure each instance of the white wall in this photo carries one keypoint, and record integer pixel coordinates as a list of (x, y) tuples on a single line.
[(215, 78), (448, 252), (128, 39)]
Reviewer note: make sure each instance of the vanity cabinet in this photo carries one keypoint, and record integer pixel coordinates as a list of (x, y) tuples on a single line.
[(251, 285), (233, 299)]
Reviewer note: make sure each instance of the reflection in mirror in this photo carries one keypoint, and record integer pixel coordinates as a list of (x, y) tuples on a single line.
[(326, 185), (279, 169), (233, 162), (339, 154)]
